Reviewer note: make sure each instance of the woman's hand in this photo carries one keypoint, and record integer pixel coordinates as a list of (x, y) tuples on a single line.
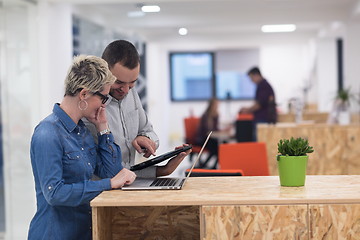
[(100, 120), (124, 177)]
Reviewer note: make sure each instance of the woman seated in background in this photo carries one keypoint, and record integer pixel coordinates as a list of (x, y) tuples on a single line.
[(209, 122), (64, 156)]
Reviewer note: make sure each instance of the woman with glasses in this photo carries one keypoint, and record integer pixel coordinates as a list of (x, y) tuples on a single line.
[(64, 156)]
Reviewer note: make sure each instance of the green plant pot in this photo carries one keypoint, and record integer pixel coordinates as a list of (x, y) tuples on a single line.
[(292, 170)]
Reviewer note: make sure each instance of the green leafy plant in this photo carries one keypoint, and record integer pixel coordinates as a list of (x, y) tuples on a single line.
[(344, 95), (294, 147)]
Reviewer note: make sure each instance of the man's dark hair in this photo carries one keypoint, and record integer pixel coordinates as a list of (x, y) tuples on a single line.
[(121, 51), (254, 70)]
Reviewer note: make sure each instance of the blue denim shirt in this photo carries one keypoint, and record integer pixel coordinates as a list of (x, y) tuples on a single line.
[(64, 158)]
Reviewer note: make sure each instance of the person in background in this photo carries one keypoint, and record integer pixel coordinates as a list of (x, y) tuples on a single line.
[(127, 119), (209, 121), (264, 108), (64, 156)]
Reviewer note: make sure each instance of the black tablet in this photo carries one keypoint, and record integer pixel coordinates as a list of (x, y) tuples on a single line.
[(159, 159)]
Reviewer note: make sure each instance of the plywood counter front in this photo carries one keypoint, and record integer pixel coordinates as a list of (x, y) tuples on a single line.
[(336, 147), (233, 208)]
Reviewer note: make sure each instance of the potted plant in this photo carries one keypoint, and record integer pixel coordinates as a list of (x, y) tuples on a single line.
[(292, 161), (342, 103)]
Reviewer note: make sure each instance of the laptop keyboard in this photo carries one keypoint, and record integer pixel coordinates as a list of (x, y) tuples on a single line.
[(164, 182)]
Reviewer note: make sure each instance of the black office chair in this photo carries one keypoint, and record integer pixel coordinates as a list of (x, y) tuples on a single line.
[(200, 172), (244, 128)]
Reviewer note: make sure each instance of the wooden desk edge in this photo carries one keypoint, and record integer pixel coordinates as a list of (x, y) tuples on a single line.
[(260, 191)]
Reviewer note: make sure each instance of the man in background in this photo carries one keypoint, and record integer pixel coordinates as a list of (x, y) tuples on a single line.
[(126, 117), (264, 107)]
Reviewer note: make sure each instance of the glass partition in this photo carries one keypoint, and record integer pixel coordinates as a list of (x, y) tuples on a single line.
[(17, 67), (2, 197)]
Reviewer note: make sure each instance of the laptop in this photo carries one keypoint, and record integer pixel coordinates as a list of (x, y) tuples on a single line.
[(163, 183)]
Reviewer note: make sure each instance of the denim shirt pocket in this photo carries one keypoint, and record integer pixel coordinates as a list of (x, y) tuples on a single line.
[(93, 151), (73, 155), (73, 165)]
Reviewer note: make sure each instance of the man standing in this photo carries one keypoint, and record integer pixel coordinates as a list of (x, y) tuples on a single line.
[(264, 108), (126, 117)]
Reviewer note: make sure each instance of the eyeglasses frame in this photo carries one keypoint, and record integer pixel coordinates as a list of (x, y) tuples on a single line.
[(104, 98)]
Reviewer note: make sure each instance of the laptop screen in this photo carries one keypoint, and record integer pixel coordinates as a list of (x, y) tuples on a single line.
[(198, 156)]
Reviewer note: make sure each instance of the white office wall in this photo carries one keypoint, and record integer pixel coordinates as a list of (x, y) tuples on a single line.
[(20, 67), (327, 72), (283, 66), (55, 52), (37, 53), (283, 63), (16, 119), (352, 61)]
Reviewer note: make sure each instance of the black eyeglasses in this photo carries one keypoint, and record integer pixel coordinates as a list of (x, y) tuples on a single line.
[(102, 96)]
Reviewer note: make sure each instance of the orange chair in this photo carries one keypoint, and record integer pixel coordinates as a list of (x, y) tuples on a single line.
[(251, 157), (200, 172), (245, 117), (191, 126)]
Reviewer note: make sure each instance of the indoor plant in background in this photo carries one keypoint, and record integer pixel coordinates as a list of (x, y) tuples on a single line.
[(292, 161), (343, 106)]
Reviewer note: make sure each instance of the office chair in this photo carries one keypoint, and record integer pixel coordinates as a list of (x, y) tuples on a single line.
[(251, 157), (200, 172), (244, 128), (245, 117), (191, 126)]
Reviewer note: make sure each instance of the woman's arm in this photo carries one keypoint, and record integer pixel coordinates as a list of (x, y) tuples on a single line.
[(47, 154), (109, 161)]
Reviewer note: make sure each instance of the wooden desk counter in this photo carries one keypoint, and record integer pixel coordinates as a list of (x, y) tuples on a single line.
[(317, 117), (233, 208), (336, 147)]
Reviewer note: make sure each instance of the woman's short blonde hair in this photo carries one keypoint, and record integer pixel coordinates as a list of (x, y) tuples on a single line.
[(87, 72)]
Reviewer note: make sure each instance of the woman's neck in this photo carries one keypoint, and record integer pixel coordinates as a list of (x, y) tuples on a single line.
[(70, 107)]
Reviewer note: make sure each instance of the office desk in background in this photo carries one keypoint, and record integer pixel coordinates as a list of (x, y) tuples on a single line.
[(233, 208), (336, 147), (223, 136)]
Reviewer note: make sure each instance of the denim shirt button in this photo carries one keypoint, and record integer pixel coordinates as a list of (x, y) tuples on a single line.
[(82, 149), (89, 164), (49, 187), (77, 156)]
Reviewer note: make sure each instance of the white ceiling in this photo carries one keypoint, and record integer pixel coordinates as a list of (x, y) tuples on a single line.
[(211, 19)]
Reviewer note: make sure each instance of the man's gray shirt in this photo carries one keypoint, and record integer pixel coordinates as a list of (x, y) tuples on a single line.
[(127, 119)]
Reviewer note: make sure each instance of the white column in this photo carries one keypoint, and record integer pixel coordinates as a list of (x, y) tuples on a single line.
[(352, 60), (327, 73)]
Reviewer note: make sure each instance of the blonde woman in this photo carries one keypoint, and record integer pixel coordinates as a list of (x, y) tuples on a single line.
[(64, 156)]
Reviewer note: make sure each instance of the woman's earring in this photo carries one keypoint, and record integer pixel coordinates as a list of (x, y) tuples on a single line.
[(82, 105)]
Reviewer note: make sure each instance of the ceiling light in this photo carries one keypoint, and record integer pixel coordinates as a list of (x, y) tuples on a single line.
[(136, 14), (150, 8), (183, 31), (278, 28)]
